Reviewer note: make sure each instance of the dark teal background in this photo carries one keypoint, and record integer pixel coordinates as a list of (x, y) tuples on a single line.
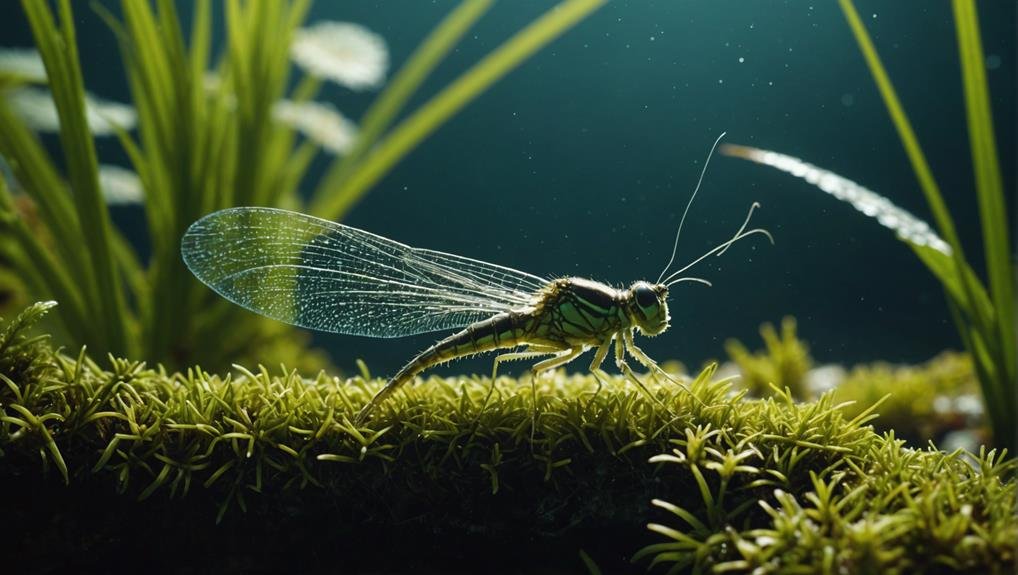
[(580, 161)]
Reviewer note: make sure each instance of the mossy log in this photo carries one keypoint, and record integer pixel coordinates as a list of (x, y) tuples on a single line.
[(260, 472)]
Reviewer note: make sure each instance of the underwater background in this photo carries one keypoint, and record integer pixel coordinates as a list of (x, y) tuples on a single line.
[(147, 421), (581, 161)]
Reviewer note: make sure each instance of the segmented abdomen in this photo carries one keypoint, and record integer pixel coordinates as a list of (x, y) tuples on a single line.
[(501, 331)]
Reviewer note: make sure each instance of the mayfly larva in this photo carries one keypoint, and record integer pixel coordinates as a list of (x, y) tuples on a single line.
[(326, 276)]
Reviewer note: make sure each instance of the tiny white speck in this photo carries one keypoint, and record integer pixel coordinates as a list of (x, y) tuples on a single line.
[(741, 59), (652, 38), (874, 15)]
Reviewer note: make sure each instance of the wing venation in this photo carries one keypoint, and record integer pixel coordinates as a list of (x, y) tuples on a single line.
[(330, 277)]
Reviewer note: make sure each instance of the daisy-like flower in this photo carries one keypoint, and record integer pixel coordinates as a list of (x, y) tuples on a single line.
[(321, 123), (120, 186), (345, 53), (36, 107), (904, 224), (25, 63)]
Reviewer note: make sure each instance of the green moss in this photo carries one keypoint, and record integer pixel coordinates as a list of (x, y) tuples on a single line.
[(921, 401), (784, 364), (155, 459)]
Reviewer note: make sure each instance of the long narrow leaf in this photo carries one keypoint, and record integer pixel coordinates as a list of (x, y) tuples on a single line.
[(35, 172), (989, 186), (409, 133), (34, 262), (58, 48), (389, 104)]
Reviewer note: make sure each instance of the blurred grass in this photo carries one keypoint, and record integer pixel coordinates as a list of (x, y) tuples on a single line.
[(202, 146), (435, 112), (918, 403), (785, 363)]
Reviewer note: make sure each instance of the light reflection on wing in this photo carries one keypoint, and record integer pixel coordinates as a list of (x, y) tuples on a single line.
[(326, 276)]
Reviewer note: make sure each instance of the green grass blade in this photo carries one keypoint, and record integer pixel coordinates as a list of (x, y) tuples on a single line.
[(409, 133), (201, 39), (59, 52), (23, 248), (39, 178), (901, 123), (927, 183), (989, 186), (389, 104), (989, 334)]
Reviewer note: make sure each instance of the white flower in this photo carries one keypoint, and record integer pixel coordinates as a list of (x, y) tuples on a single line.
[(36, 107), (119, 185), (348, 54), (321, 123), (23, 62)]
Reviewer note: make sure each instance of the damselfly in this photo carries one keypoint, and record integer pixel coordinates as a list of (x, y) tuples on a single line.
[(331, 277)]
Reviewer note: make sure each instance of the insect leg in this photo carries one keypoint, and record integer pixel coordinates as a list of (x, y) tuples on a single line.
[(528, 353), (595, 365), (652, 365), (560, 359), (540, 367), (620, 361)]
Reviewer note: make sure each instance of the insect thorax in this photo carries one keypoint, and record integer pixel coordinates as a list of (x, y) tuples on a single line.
[(577, 310)]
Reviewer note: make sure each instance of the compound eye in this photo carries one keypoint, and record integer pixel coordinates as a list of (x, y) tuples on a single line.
[(645, 297)]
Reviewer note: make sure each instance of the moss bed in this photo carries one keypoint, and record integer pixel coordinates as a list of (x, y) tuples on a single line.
[(128, 468)]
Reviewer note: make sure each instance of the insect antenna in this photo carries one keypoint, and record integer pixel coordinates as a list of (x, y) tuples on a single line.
[(721, 248), (675, 246)]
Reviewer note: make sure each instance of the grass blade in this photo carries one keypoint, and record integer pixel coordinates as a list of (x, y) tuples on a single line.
[(454, 97), (59, 52), (989, 187), (389, 104)]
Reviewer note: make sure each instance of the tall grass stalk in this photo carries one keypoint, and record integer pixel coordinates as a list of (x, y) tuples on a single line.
[(203, 145), (985, 318)]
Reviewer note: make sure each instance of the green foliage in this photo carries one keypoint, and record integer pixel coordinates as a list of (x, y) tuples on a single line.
[(985, 318), (21, 357), (783, 365), (772, 484), (894, 511), (986, 323), (919, 403), (199, 147)]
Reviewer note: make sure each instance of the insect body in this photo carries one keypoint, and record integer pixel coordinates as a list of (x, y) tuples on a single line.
[(327, 276), (567, 317)]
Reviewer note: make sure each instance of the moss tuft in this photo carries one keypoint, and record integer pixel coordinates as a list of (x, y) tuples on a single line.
[(784, 364), (436, 481), (922, 402)]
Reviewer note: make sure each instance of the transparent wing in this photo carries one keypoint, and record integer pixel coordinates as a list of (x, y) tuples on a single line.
[(326, 276)]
